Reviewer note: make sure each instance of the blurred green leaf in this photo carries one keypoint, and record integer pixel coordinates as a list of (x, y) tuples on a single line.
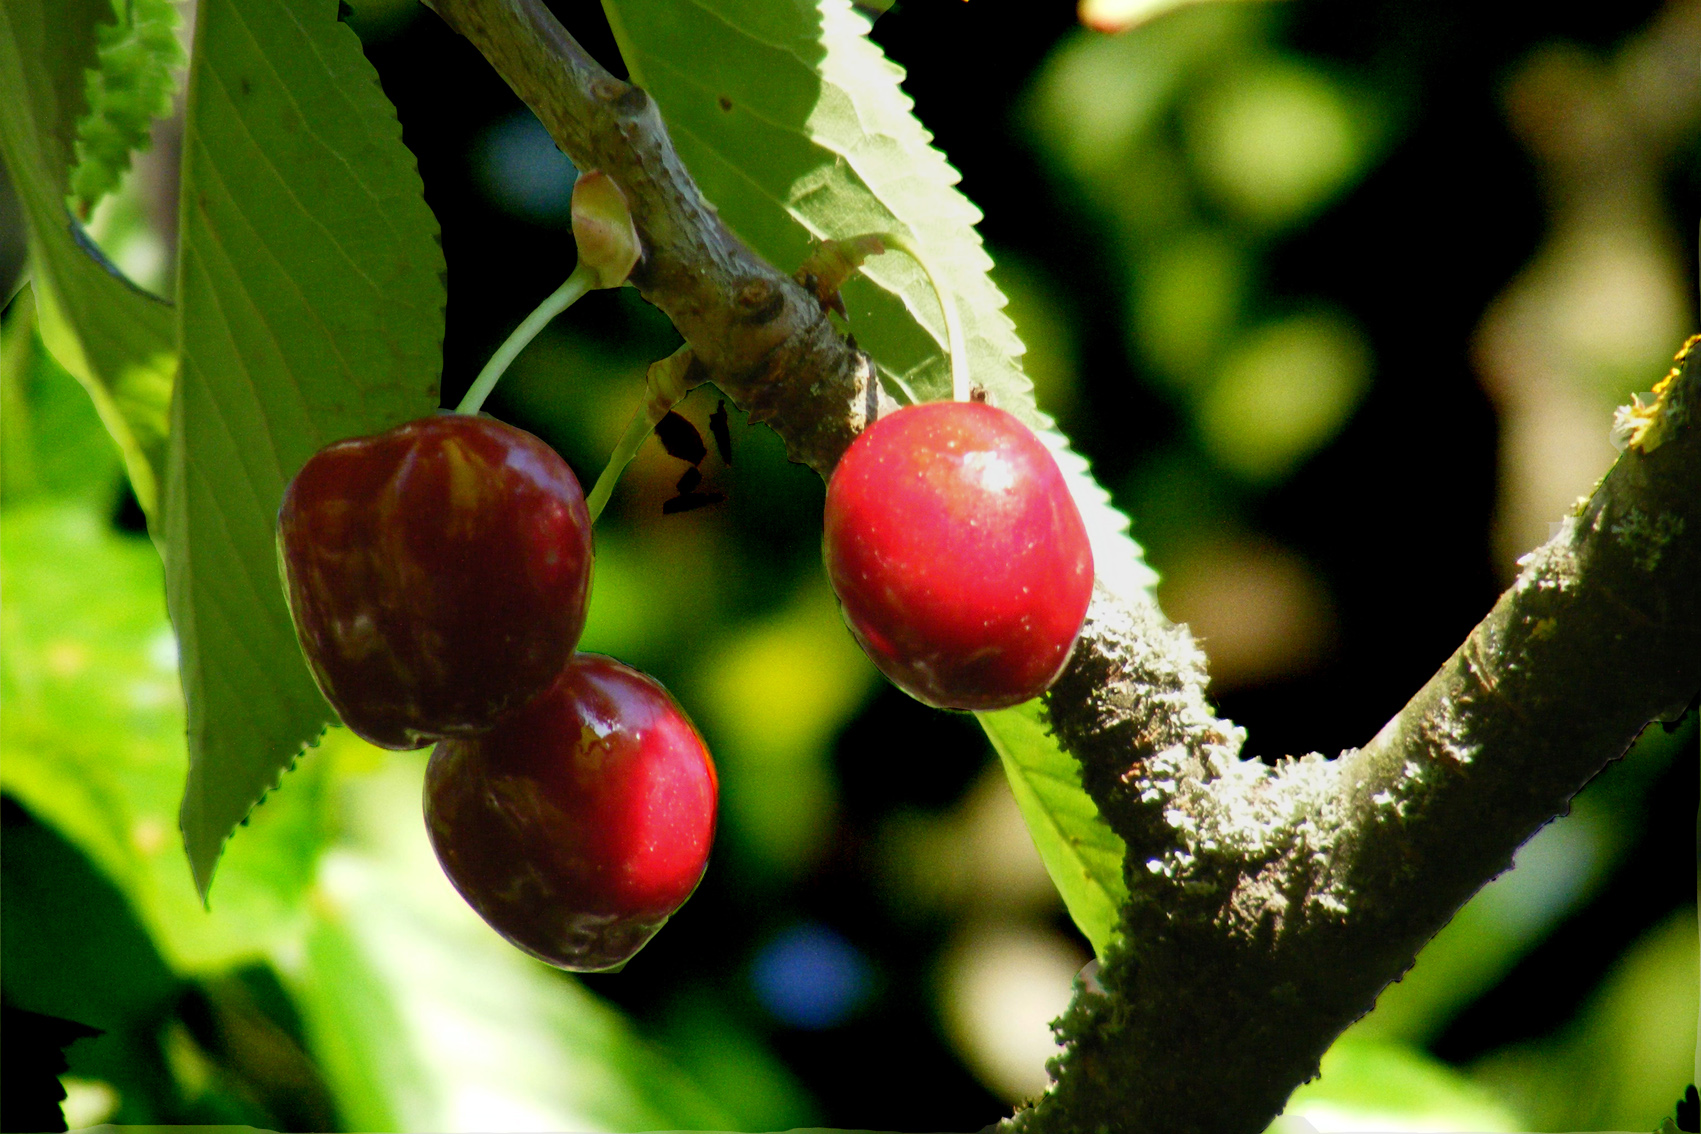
[(776, 777), (358, 1035), (72, 947), (311, 293), (117, 340), (755, 1087), (655, 593), (1189, 289), (1080, 851), (1275, 139), (55, 445), (1380, 1086), (131, 85), (1097, 101), (18, 367), (1626, 1056), (92, 738), (1283, 392)]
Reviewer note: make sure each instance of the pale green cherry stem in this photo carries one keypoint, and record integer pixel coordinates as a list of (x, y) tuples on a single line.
[(665, 386), (583, 279), (637, 432)]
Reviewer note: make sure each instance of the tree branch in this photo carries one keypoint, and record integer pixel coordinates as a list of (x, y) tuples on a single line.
[(1268, 906), (754, 330), (1271, 906)]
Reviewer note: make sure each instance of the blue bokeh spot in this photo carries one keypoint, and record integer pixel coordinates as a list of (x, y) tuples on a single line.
[(809, 977)]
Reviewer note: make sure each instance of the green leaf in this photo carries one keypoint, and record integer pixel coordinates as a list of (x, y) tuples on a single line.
[(1367, 1085), (71, 946), (1627, 1053), (117, 340), (91, 740), (132, 84), (311, 297), (55, 445), (794, 125), (1080, 851)]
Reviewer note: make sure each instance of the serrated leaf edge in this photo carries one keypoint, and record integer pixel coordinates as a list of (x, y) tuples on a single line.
[(204, 885)]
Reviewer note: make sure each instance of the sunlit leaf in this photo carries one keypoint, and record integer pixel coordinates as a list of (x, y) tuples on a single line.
[(131, 85), (1629, 1052), (91, 740), (311, 297), (1379, 1086), (794, 125), (55, 445), (117, 340), (1080, 851)]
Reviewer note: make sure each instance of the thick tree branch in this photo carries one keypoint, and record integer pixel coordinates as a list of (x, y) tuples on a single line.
[(1269, 906)]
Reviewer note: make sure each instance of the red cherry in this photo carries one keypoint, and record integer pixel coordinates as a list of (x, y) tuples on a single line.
[(581, 823), (438, 575), (958, 555)]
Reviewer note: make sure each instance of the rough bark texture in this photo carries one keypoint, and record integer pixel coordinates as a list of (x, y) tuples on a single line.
[(1269, 905)]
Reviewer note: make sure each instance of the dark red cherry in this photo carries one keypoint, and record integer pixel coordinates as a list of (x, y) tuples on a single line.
[(581, 823), (959, 558), (438, 575)]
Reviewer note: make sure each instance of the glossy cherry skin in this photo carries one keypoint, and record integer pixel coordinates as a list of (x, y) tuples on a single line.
[(581, 823), (438, 575), (958, 556)]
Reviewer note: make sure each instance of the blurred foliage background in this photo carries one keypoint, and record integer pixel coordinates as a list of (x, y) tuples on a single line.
[(1338, 298)]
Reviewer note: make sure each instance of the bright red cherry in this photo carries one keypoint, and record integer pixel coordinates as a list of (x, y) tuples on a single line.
[(438, 575), (581, 823), (958, 555)]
